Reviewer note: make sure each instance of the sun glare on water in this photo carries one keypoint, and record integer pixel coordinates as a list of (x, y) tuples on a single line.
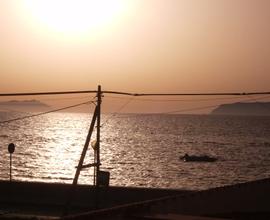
[(75, 17)]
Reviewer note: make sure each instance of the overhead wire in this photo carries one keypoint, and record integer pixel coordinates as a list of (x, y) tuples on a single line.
[(190, 109), (47, 93), (260, 103), (44, 113), (212, 106), (141, 94), (188, 94), (256, 98), (135, 94), (119, 110), (66, 98), (185, 100)]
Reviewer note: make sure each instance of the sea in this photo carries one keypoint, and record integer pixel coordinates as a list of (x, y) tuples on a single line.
[(138, 150)]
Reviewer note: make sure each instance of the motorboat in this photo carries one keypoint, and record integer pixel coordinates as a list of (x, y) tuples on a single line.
[(195, 158)]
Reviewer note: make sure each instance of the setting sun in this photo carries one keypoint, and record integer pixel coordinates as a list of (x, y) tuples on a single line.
[(74, 16)]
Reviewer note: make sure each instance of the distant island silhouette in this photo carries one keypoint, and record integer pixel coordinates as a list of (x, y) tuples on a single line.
[(24, 103), (243, 108)]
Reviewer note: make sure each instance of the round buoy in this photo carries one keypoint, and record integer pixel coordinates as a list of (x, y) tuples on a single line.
[(11, 148)]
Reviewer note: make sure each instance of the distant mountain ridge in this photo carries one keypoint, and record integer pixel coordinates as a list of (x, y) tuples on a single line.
[(24, 103), (243, 108)]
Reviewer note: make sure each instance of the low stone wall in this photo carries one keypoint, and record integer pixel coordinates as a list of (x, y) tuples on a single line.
[(50, 198), (42, 198), (252, 198)]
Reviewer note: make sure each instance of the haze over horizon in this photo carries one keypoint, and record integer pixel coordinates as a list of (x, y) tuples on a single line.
[(135, 46)]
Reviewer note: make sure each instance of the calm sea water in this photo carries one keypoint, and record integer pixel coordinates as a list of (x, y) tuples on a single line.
[(139, 150)]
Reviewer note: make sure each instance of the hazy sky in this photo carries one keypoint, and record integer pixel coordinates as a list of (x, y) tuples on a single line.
[(135, 45)]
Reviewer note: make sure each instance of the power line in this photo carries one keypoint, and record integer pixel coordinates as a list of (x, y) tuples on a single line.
[(67, 98), (119, 110), (189, 94), (190, 109), (136, 94), (44, 113), (185, 100), (131, 94), (212, 106), (47, 93)]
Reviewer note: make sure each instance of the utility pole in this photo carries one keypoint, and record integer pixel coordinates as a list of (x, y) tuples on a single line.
[(95, 118), (99, 95)]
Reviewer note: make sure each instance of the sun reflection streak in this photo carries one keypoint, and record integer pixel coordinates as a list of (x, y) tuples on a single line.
[(140, 150), (67, 135)]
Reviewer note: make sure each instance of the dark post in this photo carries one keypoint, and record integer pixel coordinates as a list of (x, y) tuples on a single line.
[(97, 149), (98, 132), (11, 149), (95, 168)]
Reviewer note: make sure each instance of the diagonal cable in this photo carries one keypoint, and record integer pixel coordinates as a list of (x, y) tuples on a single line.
[(44, 113)]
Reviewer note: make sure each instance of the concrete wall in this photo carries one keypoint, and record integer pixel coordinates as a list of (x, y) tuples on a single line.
[(247, 199), (51, 198)]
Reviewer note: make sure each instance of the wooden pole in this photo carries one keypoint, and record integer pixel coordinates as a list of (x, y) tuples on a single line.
[(95, 168), (80, 164), (75, 180), (99, 94), (10, 167), (97, 151)]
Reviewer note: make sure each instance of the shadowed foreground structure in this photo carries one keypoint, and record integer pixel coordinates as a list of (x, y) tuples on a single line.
[(241, 201)]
